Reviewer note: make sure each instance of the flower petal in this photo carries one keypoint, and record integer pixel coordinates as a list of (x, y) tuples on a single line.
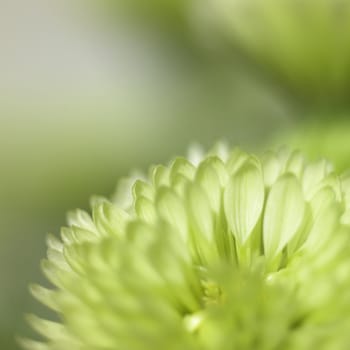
[(171, 209), (284, 213), (243, 201)]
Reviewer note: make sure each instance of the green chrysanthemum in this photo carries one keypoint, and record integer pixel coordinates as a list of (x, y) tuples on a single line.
[(228, 252)]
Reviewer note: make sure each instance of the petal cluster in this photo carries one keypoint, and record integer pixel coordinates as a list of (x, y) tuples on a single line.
[(231, 251)]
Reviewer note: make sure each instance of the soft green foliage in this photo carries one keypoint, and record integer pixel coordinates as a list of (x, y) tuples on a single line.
[(307, 42), (222, 251)]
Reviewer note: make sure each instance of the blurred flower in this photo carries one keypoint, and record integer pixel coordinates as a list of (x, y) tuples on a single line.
[(305, 43), (165, 17), (222, 251), (329, 138)]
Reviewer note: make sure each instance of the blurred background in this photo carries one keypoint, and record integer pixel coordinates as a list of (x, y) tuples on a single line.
[(91, 91)]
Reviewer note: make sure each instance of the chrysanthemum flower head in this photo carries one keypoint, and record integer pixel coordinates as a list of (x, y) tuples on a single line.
[(228, 251)]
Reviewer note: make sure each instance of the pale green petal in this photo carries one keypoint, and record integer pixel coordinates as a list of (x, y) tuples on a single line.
[(160, 176), (81, 219), (236, 160), (182, 166), (296, 164), (271, 168), (109, 219), (28, 344), (244, 200), (283, 214), (48, 329), (325, 218), (201, 216), (145, 209), (81, 235), (283, 156), (208, 178), (53, 272), (57, 258), (171, 208), (67, 236), (143, 189), (45, 296), (313, 174), (179, 184), (74, 258), (201, 225), (54, 243), (122, 196)]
